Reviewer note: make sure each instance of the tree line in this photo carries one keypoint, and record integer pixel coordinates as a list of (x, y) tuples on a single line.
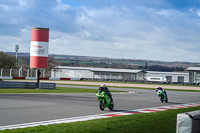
[(9, 61), (164, 68)]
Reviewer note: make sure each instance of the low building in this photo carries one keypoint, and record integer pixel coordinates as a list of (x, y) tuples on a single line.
[(97, 73), (194, 74), (170, 77), (118, 74)]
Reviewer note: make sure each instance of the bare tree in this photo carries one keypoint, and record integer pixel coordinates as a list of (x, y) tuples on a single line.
[(7, 61)]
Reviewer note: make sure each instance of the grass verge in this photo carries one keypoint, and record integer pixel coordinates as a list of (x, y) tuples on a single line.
[(57, 90), (139, 83), (131, 87), (159, 122), (115, 82)]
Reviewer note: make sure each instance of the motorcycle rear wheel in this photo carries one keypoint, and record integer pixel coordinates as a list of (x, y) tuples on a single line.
[(111, 106), (166, 101)]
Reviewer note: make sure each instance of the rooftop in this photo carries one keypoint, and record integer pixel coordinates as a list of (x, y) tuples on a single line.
[(158, 72), (100, 69), (193, 69)]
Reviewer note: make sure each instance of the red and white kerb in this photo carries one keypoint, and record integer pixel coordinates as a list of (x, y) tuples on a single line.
[(39, 47)]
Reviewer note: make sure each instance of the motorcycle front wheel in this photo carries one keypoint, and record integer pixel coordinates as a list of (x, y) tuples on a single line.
[(161, 98), (101, 105)]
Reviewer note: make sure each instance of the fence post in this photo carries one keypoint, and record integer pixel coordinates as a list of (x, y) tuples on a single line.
[(28, 73), (1, 72), (54, 73), (21, 72), (36, 73), (31, 72), (11, 72), (43, 73)]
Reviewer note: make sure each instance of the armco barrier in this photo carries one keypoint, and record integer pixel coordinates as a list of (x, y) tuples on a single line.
[(47, 86), (54, 78), (6, 78), (26, 85), (41, 78), (23, 85), (31, 78)]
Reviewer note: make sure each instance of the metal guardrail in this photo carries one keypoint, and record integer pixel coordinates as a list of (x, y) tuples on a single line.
[(26, 85), (47, 86)]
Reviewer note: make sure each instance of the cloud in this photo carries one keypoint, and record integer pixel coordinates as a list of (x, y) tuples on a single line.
[(61, 7), (198, 13), (128, 29), (8, 42)]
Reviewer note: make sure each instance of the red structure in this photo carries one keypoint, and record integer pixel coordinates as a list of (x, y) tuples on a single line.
[(39, 47)]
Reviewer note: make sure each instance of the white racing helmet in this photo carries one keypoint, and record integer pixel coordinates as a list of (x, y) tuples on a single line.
[(157, 87), (103, 85)]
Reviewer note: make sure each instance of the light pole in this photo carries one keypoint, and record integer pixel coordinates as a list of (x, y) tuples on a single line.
[(16, 49)]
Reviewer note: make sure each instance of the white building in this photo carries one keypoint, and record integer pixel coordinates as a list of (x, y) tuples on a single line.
[(167, 76), (97, 73), (194, 74), (118, 74)]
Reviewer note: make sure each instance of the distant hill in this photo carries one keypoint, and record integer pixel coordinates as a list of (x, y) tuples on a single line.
[(74, 60)]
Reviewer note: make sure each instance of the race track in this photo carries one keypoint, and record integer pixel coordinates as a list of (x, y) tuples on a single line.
[(26, 108)]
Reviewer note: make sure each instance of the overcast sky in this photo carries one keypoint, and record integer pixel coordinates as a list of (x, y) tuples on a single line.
[(165, 30)]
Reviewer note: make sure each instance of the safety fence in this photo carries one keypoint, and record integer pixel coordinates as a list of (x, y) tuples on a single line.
[(35, 78), (23, 72)]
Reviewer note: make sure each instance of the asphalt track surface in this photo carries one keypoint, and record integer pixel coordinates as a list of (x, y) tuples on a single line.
[(26, 108)]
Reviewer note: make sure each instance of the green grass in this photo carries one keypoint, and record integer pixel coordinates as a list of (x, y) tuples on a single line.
[(58, 90), (132, 87), (141, 83), (159, 122), (154, 89)]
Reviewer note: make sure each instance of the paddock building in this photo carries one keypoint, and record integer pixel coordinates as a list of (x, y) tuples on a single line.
[(170, 77), (97, 73), (194, 74), (118, 74)]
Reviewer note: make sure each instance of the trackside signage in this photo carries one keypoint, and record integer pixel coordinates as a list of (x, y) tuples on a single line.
[(39, 49)]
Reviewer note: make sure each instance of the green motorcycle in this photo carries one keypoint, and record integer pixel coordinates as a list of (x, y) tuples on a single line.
[(163, 96), (104, 101)]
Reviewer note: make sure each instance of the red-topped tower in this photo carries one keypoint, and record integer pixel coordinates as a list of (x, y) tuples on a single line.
[(39, 47)]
